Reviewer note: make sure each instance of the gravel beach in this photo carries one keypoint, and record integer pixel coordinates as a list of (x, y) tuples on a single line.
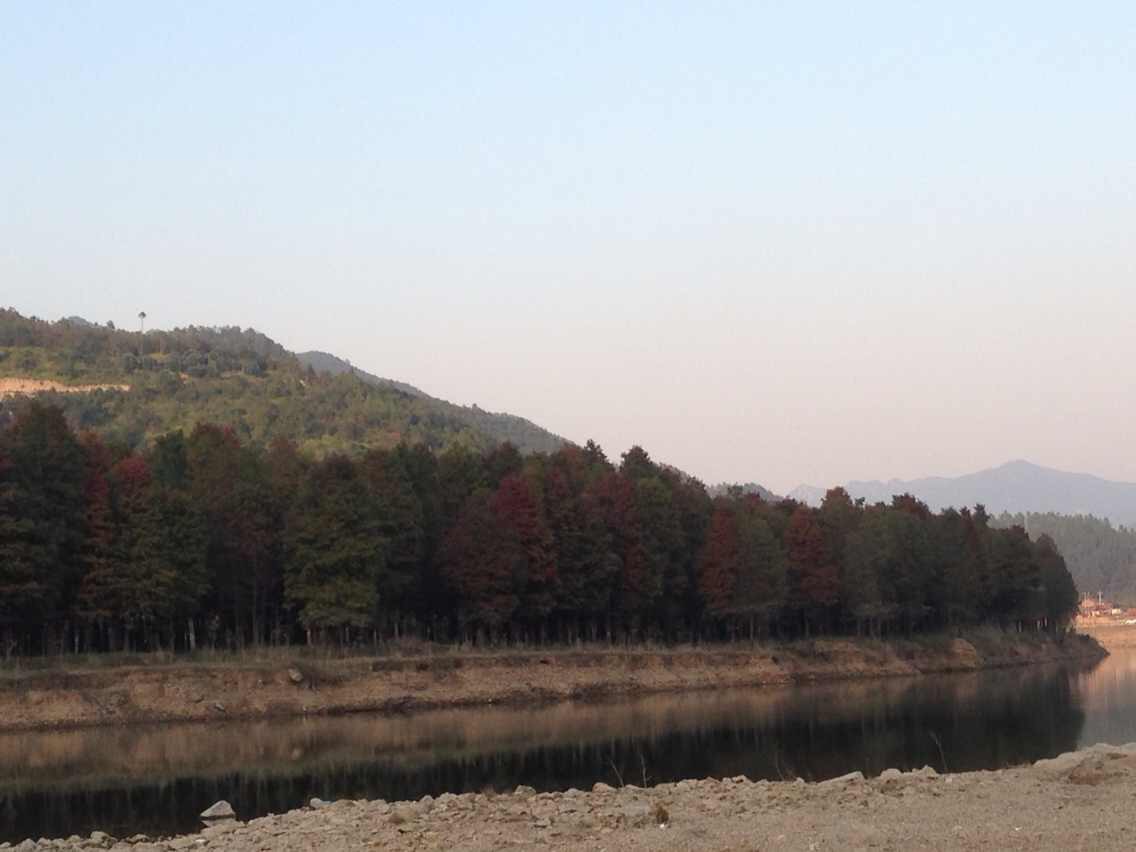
[(1080, 800)]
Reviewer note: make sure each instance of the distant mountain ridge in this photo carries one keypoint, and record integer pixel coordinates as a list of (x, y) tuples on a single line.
[(1016, 486)]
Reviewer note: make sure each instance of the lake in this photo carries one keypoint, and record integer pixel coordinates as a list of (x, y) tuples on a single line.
[(155, 779)]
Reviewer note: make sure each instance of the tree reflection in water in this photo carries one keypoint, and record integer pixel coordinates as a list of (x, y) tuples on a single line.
[(156, 779)]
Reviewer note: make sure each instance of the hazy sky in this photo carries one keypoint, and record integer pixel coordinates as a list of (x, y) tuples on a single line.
[(783, 242)]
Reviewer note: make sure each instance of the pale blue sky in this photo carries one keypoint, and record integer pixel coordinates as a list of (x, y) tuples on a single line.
[(783, 242)]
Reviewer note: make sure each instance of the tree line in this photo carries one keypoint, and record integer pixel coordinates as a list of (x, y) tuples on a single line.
[(1102, 557), (204, 540)]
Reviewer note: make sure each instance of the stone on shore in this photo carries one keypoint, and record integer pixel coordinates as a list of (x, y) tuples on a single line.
[(219, 810)]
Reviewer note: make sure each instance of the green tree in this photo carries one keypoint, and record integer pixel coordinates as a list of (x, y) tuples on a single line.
[(42, 474), (336, 551)]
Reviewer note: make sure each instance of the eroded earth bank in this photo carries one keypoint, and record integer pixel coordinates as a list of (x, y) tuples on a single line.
[(197, 691)]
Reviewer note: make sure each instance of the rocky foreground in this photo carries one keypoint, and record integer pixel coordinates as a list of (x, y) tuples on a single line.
[(1080, 800)]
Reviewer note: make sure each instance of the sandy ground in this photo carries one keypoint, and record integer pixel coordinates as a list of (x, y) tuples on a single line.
[(1081, 801), (60, 698), (28, 387), (1113, 635)]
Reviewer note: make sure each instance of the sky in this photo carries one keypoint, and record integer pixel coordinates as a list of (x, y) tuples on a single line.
[(779, 242)]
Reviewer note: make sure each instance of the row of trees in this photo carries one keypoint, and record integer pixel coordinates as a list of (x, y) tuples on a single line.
[(1102, 557), (204, 540)]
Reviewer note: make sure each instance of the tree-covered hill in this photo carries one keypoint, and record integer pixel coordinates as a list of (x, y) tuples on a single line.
[(499, 426), (238, 378), (1101, 557)]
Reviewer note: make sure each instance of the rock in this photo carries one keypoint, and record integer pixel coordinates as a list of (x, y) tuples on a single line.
[(926, 772), (601, 787), (295, 675), (524, 792), (26, 846), (842, 780), (219, 810), (218, 706), (891, 774), (316, 804), (1063, 763)]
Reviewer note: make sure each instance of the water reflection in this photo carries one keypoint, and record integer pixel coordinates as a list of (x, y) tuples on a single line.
[(156, 779)]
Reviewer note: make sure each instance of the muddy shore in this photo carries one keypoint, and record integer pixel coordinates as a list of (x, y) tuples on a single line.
[(1080, 800), (55, 698)]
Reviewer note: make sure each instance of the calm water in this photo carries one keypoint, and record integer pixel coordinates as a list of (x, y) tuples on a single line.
[(156, 779)]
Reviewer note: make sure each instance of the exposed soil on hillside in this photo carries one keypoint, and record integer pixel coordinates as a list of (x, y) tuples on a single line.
[(55, 698), (1081, 800), (30, 387)]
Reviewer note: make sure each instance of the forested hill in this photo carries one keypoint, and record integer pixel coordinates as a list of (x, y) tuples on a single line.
[(499, 426), (239, 378), (1016, 486), (1101, 557), (325, 362)]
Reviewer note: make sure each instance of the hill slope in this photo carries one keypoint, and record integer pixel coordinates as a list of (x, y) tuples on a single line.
[(236, 377), (500, 427), (1016, 486), (1101, 557)]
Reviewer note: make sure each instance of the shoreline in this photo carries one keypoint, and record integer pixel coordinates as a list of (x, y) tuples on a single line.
[(1078, 800), (50, 699)]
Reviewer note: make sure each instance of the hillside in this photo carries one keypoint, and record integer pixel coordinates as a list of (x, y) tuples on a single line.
[(725, 488), (240, 378), (325, 362), (498, 426), (1100, 556), (1016, 486)]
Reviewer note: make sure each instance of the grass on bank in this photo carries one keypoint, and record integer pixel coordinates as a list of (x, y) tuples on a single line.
[(988, 642)]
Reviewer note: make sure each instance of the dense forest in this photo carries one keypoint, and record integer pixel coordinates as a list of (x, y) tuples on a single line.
[(243, 379), (202, 539), (1102, 558)]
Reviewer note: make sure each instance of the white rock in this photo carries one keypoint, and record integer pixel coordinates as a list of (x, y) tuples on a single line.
[(840, 781), (219, 810)]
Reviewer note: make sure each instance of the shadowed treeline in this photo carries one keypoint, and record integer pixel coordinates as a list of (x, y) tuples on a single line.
[(205, 541)]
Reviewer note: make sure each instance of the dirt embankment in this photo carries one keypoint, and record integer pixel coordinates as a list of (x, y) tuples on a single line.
[(1080, 800), (30, 387), (210, 691)]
